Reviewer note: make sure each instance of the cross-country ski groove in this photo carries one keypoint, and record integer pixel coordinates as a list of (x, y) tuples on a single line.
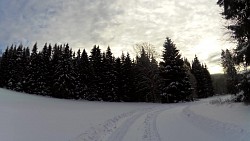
[(151, 131), (120, 132), (100, 131), (216, 127), (149, 123)]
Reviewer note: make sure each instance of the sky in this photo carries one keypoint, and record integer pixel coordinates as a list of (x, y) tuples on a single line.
[(195, 26)]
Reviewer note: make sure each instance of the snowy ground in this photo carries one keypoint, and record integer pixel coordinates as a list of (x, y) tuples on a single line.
[(26, 117)]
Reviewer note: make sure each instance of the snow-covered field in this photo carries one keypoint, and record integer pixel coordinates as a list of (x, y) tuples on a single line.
[(26, 117)]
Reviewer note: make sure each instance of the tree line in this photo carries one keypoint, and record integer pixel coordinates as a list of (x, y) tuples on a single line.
[(60, 72), (237, 12)]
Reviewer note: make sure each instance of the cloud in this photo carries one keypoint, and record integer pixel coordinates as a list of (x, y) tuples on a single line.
[(214, 58), (117, 23)]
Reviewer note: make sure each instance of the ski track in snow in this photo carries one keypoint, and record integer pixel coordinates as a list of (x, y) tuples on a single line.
[(29, 117), (151, 130), (116, 128), (99, 132), (110, 132), (96, 133), (121, 131), (215, 127)]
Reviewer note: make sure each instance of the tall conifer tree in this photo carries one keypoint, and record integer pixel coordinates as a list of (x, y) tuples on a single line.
[(109, 77), (176, 86), (97, 66), (65, 81)]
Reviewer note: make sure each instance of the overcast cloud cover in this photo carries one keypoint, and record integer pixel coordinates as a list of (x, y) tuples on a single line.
[(195, 26)]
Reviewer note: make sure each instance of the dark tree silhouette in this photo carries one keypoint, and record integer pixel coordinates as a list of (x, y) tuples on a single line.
[(176, 86)]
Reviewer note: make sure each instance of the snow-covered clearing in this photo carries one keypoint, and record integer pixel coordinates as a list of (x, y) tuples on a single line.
[(26, 117)]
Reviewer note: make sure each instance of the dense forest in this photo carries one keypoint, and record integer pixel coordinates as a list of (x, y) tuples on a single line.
[(60, 72)]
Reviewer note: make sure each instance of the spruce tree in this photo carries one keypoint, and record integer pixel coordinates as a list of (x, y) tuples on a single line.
[(119, 81), (34, 72), (209, 89), (87, 74), (26, 62), (109, 78), (147, 77), (12, 60), (237, 11), (230, 71), (96, 66), (197, 71), (5, 68), (204, 87), (175, 84), (77, 67), (55, 61), (155, 80), (142, 83), (64, 80), (84, 75), (192, 78), (18, 69), (45, 78), (128, 79)]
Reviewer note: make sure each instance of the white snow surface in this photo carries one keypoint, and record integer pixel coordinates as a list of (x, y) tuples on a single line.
[(25, 117)]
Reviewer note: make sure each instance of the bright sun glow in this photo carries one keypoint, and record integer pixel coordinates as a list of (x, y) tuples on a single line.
[(206, 48), (215, 69)]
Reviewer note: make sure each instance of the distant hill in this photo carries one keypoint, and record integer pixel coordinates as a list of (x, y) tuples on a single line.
[(219, 83)]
